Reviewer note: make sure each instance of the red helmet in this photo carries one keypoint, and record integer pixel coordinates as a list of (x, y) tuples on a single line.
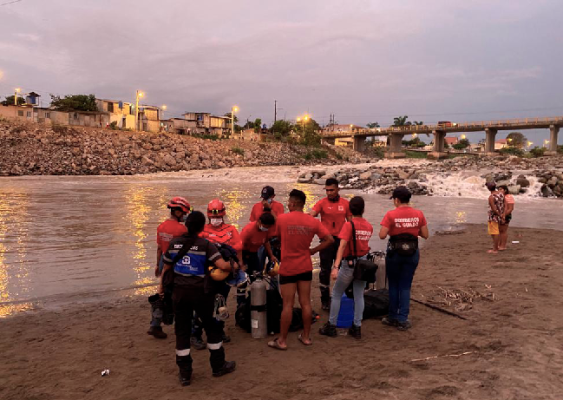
[(216, 208), (181, 203)]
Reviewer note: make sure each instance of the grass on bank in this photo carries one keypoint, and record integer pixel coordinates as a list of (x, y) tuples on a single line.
[(316, 155), (238, 150)]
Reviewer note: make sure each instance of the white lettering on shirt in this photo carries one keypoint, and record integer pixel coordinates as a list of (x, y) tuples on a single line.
[(412, 222)]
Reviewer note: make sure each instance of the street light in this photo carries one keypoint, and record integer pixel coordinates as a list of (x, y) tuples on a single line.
[(234, 109), (463, 136), (17, 90), (138, 95), (163, 108), (545, 143), (530, 143)]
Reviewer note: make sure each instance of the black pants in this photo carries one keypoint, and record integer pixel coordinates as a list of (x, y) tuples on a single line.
[(327, 257), (186, 301)]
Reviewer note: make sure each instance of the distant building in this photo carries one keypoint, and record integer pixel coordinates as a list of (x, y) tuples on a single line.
[(501, 144), (149, 119), (205, 123), (122, 113), (32, 99), (451, 140)]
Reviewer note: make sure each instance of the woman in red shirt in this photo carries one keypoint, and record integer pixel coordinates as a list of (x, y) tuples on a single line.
[(404, 225), (343, 269)]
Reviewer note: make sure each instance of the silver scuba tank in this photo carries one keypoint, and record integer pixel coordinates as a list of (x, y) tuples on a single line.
[(258, 318)]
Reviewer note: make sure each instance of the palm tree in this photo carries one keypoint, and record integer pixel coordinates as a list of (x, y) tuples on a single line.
[(401, 120), (372, 125), (418, 123)]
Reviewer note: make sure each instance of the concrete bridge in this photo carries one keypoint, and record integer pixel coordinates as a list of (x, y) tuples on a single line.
[(396, 133)]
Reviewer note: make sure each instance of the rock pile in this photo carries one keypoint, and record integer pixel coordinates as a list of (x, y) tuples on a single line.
[(32, 149)]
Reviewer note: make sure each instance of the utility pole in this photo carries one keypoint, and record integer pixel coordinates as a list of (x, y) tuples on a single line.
[(16, 96), (138, 94), (275, 111)]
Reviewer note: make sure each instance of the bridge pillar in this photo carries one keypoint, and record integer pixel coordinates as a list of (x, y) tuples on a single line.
[(553, 133), (395, 146), (438, 150), (359, 143), (490, 134)]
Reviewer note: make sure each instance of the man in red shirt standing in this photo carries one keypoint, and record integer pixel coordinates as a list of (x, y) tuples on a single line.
[(334, 212), (166, 231), (296, 231), (267, 205)]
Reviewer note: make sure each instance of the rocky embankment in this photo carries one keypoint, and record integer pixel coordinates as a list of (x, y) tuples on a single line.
[(533, 176), (32, 149)]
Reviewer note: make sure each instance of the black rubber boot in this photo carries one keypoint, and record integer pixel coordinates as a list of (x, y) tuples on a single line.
[(157, 332), (325, 298), (185, 365), (328, 330), (227, 368), (355, 332)]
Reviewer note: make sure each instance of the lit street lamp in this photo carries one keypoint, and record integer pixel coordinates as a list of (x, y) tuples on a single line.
[(163, 108), (17, 90), (138, 95), (234, 109), (463, 136)]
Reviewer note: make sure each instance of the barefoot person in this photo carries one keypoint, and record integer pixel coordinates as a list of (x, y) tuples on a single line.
[(404, 225), (186, 269), (296, 231), (343, 269), (507, 216), (166, 231), (496, 215), (334, 211)]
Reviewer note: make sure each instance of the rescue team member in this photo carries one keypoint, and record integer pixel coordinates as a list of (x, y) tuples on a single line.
[(217, 231), (189, 257), (296, 231), (403, 225), (343, 269), (496, 215), (253, 237), (267, 204), (166, 231), (507, 217), (334, 211)]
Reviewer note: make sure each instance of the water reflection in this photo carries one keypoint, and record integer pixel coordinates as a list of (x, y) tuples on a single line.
[(234, 200), (460, 217)]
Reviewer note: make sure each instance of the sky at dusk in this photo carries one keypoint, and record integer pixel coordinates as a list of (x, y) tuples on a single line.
[(362, 60)]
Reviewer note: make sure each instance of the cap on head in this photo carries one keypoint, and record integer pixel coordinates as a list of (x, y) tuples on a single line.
[(267, 192), (402, 194)]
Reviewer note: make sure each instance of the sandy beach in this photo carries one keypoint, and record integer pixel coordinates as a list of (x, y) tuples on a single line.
[(509, 346)]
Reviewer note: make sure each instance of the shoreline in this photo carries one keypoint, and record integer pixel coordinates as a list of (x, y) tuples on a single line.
[(60, 354)]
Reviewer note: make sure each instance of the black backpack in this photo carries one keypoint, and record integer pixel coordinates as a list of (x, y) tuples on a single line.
[(376, 303)]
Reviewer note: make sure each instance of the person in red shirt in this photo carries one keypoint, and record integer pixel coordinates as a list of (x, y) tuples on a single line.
[(334, 212), (343, 269), (266, 205), (166, 231), (403, 225), (296, 231), (253, 237)]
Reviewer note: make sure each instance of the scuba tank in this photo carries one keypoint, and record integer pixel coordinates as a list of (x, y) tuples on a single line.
[(258, 318)]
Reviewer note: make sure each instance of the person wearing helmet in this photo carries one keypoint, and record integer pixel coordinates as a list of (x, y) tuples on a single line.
[(166, 231), (253, 236), (266, 205), (186, 269)]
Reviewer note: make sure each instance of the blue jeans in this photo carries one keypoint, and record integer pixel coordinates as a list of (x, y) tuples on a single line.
[(400, 273), (345, 277)]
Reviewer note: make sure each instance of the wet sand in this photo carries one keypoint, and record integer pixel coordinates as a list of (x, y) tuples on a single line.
[(510, 346)]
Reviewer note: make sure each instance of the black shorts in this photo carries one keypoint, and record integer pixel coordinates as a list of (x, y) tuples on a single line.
[(304, 277)]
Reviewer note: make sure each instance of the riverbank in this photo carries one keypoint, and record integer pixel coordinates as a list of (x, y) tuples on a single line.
[(509, 346), (35, 149)]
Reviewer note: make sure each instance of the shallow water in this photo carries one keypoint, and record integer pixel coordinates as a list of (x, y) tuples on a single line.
[(76, 237)]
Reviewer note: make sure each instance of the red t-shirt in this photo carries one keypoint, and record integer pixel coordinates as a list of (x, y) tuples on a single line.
[(296, 231), (253, 238), (404, 220), (258, 210), (168, 230), (333, 214), (364, 230), (224, 234)]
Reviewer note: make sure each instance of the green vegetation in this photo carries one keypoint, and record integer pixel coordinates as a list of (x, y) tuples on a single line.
[(516, 139), (10, 101), (560, 149), (537, 151), (257, 125), (415, 154), (208, 136), (238, 150), (372, 125), (512, 151), (462, 144), (316, 155), (416, 142), (78, 102), (403, 120)]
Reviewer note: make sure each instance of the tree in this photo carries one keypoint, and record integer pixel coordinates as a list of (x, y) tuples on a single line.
[(10, 101), (76, 102), (418, 122), (462, 144), (281, 127), (372, 125), (238, 128), (308, 132), (516, 139), (401, 120), (257, 125)]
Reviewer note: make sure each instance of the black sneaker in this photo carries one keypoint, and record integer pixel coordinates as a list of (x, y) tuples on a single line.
[(355, 331), (157, 332), (389, 322), (185, 380), (328, 330), (227, 368), (403, 326), (197, 343), (325, 305)]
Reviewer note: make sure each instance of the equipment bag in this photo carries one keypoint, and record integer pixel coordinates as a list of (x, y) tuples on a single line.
[(364, 270), (376, 303), (403, 244)]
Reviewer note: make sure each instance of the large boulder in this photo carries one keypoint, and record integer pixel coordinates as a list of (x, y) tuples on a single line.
[(523, 181), (514, 189)]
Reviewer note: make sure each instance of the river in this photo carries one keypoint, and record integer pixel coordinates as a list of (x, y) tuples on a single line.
[(71, 238)]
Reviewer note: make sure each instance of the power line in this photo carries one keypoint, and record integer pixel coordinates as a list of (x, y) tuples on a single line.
[(10, 2)]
